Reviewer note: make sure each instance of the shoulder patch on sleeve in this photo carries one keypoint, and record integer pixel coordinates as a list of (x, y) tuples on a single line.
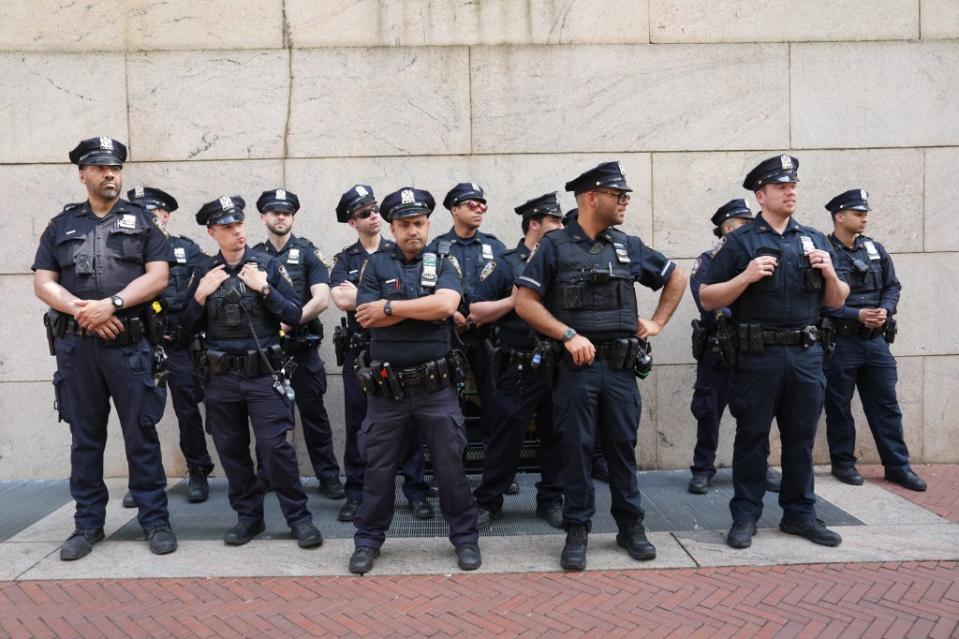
[(533, 252), (363, 269), (487, 270), (325, 262), (719, 245), (157, 223), (285, 275), (695, 268), (455, 263)]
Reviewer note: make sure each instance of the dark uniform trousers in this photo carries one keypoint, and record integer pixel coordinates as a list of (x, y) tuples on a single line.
[(521, 395), (383, 439), (474, 346), (309, 384), (785, 382), (595, 403), (90, 372), (413, 467), (186, 397), (710, 397), (866, 364), (233, 401)]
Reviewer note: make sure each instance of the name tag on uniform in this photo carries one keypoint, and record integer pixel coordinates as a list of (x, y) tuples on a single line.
[(807, 244), (428, 277), (487, 251), (180, 254), (621, 253), (294, 256), (127, 221), (871, 250)]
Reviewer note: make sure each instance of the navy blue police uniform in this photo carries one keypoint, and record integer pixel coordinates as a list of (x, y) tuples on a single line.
[(347, 265), (306, 268), (522, 391), (469, 257), (96, 258), (242, 329), (862, 358), (779, 369), (185, 394), (418, 354), (588, 285)]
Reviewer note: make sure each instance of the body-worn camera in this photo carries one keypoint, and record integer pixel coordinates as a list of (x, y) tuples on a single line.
[(84, 263)]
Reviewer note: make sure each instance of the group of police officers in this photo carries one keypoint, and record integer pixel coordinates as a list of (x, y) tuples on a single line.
[(791, 320)]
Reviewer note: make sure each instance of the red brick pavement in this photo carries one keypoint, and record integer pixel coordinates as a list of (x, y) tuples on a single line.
[(942, 495), (833, 600)]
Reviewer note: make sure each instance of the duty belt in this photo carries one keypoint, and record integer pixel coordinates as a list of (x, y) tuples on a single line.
[(848, 327), (249, 362), (133, 329), (754, 337)]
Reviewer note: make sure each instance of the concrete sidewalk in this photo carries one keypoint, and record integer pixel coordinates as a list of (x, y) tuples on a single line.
[(782, 584)]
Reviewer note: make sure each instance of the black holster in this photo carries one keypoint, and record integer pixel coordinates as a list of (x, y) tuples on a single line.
[(725, 342), (827, 336), (700, 339), (891, 330)]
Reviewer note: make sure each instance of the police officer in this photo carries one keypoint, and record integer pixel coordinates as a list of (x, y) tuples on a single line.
[(240, 299), (311, 284), (470, 251), (864, 326), (98, 266), (776, 276), (577, 288), (522, 389), (711, 393), (186, 395), (405, 299), (359, 209)]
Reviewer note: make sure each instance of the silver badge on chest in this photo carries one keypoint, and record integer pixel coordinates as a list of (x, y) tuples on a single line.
[(807, 244), (487, 251), (621, 253), (293, 257), (871, 250), (428, 276), (127, 221), (180, 254)]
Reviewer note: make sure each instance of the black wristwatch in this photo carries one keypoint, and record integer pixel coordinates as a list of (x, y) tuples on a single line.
[(568, 334), (388, 308), (117, 301)]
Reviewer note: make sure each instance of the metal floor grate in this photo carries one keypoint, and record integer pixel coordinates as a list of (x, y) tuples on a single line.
[(669, 507), (24, 503)]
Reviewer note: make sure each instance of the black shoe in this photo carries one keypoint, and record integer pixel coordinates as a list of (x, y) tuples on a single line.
[(128, 501), (361, 561), (162, 540), (741, 534), (512, 489), (243, 532), (348, 511), (574, 552), (307, 535), (601, 473), (552, 513), (80, 543), (847, 475), (199, 488), (421, 509), (773, 481), (332, 488), (699, 484), (634, 540), (813, 530), (484, 517), (906, 478), (468, 557)]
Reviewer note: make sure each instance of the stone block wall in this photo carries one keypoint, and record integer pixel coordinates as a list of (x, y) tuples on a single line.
[(237, 96)]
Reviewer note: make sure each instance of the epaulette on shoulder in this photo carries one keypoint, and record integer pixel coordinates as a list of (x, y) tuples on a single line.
[(260, 247), (69, 207)]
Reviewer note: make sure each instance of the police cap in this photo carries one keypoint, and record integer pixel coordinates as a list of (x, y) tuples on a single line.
[(102, 150), (358, 196), (732, 208), (781, 168), (462, 192), (226, 210), (607, 174), (855, 200), (278, 200), (407, 202), (546, 204), (151, 198)]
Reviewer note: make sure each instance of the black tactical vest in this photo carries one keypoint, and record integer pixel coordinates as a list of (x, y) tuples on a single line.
[(513, 331), (175, 293), (593, 292), (232, 308)]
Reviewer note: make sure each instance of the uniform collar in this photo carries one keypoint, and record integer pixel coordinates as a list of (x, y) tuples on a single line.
[(247, 257), (456, 239), (762, 226), (271, 250), (521, 249), (579, 235), (397, 253), (118, 207), (856, 242)]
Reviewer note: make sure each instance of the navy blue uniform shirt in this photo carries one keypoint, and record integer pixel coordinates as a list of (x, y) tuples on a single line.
[(648, 266), (126, 230), (281, 301), (861, 294), (699, 276), (783, 299), (471, 255), (296, 249), (347, 265)]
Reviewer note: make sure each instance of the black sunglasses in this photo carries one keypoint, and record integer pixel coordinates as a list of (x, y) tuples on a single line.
[(365, 213)]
